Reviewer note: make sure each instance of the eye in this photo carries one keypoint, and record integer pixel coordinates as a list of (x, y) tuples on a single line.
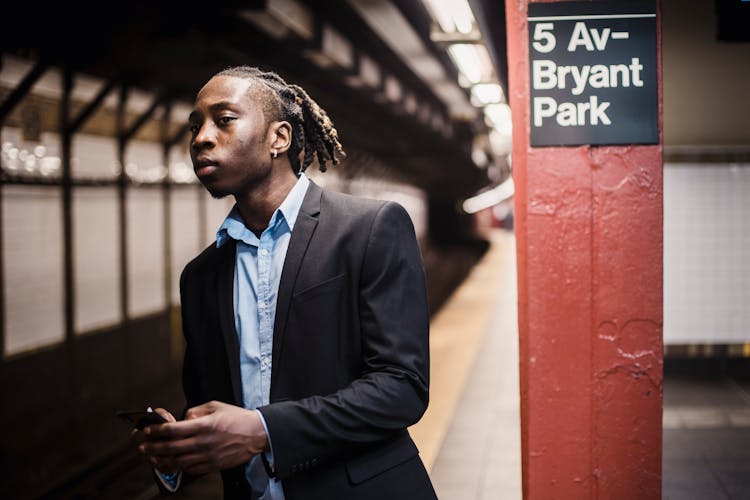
[(193, 128), (225, 120)]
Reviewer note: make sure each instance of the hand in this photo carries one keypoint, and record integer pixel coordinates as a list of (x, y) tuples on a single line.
[(213, 436), (138, 436)]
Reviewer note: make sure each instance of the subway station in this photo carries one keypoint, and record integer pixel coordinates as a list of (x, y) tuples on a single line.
[(509, 261)]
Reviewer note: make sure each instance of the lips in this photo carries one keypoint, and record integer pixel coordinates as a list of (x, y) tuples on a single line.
[(204, 166)]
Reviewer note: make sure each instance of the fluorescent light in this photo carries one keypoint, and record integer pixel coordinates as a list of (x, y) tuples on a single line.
[(500, 117), (473, 61), (452, 15), (483, 94), (466, 59), (489, 198)]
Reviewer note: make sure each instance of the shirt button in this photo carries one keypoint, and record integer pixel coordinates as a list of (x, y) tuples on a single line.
[(261, 305), (263, 251)]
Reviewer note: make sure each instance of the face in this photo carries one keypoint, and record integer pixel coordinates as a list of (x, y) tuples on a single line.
[(230, 145)]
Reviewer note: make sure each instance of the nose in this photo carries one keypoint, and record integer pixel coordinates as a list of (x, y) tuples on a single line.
[(204, 138)]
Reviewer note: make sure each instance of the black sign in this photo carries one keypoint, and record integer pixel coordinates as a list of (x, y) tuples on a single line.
[(593, 73)]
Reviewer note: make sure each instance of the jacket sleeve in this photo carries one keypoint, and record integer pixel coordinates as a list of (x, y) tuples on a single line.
[(392, 391)]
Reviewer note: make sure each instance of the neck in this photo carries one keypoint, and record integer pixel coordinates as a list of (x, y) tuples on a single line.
[(257, 205)]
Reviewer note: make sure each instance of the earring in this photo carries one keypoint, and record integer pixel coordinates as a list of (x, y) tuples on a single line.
[(274, 153)]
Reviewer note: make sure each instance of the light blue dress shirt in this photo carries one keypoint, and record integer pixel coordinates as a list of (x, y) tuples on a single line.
[(257, 274)]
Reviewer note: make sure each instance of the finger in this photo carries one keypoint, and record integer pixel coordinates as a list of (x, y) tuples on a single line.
[(137, 437), (164, 413), (172, 448), (176, 430)]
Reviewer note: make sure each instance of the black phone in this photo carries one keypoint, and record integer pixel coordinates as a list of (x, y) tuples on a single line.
[(141, 418)]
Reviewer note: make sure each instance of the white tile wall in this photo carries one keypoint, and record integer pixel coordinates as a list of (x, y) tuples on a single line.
[(94, 156), (706, 253), (185, 233), (145, 247), (32, 267), (96, 258)]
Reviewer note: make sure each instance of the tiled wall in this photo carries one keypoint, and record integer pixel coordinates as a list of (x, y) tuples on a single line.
[(706, 253)]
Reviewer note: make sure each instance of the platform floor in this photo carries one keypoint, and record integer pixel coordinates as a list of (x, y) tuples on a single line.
[(470, 436)]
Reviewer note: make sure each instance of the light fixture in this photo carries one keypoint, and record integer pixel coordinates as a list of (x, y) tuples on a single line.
[(483, 94), (473, 61), (452, 15), (490, 198), (500, 118)]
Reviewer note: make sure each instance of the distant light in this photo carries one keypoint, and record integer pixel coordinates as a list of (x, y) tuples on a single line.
[(465, 57), (500, 117), (489, 198), (483, 94), (473, 61), (452, 15)]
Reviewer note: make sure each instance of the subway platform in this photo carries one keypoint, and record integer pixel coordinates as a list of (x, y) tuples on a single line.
[(470, 438)]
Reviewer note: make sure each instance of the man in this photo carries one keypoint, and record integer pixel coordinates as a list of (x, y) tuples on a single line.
[(306, 323)]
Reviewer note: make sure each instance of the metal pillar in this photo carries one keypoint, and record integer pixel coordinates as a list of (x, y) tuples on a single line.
[(589, 244)]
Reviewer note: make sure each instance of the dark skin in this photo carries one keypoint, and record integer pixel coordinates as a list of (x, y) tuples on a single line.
[(232, 149)]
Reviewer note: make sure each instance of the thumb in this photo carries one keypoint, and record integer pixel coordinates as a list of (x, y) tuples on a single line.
[(164, 413)]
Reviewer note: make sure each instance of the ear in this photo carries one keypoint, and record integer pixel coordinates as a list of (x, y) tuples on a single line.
[(280, 135)]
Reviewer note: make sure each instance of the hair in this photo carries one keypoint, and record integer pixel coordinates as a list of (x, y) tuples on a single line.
[(312, 130)]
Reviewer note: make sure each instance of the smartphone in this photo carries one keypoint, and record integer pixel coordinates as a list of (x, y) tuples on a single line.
[(141, 418)]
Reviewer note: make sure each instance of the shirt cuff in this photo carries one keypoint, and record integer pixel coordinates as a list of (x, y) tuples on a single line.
[(170, 481), (267, 454)]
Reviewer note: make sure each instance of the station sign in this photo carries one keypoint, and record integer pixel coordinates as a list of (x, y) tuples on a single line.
[(593, 73)]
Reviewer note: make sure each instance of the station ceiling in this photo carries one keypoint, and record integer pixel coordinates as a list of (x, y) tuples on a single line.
[(172, 48)]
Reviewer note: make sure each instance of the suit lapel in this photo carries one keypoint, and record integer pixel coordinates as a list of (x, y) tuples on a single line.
[(304, 227), (225, 295)]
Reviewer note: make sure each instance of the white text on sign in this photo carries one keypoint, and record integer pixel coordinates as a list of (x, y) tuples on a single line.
[(546, 75)]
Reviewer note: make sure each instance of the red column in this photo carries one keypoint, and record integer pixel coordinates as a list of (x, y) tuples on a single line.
[(589, 243)]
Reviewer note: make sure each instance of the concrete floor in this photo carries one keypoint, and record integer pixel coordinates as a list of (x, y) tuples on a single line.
[(706, 450)]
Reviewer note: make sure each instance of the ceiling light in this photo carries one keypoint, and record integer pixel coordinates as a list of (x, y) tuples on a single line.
[(489, 198), (452, 15), (500, 117), (483, 94), (466, 59)]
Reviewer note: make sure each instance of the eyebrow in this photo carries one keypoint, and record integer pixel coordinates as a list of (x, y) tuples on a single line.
[(217, 106)]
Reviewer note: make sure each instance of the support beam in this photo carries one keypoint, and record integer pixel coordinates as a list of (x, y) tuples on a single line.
[(128, 133), (22, 89), (122, 183), (66, 139), (77, 122), (178, 135), (589, 244)]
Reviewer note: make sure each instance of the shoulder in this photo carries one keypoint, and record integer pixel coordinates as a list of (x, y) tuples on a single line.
[(358, 209)]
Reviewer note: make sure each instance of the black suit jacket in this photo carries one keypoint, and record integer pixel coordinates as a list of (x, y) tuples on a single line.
[(350, 351)]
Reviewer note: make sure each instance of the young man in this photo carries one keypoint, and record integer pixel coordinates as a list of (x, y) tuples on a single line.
[(306, 323)]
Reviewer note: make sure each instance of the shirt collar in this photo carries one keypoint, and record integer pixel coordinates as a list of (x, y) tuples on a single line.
[(233, 226)]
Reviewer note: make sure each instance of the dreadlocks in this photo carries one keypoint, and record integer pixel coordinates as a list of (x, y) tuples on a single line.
[(312, 129)]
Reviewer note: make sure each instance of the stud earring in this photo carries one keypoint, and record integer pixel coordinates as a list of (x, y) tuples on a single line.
[(274, 153)]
